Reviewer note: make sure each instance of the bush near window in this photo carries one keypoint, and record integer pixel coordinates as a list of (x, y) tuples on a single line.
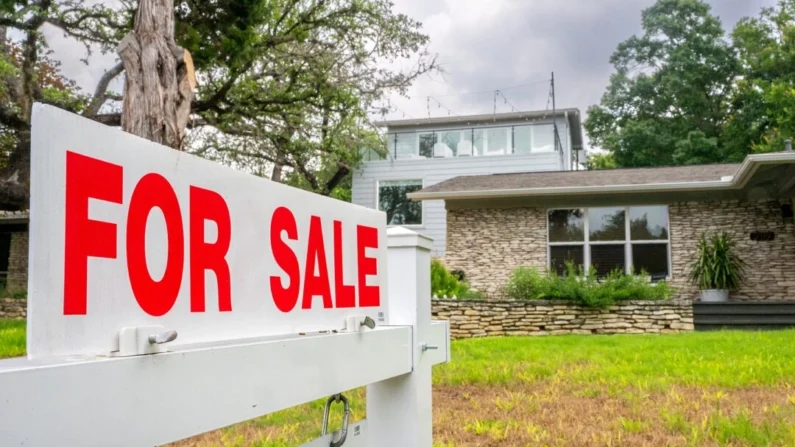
[(446, 284), (583, 287)]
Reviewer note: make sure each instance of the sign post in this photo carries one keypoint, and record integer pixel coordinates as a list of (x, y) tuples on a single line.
[(171, 293)]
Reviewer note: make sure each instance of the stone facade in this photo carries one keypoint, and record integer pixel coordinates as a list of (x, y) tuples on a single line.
[(488, 244), (18, 263), (13, 308), (535, 318), (770, 273)]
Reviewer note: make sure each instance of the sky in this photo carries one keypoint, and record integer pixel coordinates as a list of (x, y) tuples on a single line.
[(487, 45)]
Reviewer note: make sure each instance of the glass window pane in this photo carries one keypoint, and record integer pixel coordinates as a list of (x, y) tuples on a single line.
[(606, 224), (406, 146), (522, 140), (606, 258), (544, 138), (651, 258), (451, 140), (476, 137), (427, 140), (648, 223), (400, 210), (566, 226), (560, 255), (497, 141)]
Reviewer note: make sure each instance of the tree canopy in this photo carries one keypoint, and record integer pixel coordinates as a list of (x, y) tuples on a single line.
[(683, 93), (284, 86)]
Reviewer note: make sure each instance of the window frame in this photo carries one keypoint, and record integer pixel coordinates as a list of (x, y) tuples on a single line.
[(422, 203), (586, 243)]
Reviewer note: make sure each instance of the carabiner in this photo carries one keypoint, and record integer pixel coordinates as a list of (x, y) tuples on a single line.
[(344, 431)]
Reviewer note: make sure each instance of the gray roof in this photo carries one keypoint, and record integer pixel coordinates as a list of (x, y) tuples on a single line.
[(607, 177)]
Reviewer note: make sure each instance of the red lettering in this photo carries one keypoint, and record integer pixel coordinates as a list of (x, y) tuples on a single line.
[(285, 298), (367, 237), (155, 297), (316, 285), (86, 178), (345, 294), (209, 205)]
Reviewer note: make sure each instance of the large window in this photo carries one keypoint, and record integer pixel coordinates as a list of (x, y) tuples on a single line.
[(627, 239), (399, 209)]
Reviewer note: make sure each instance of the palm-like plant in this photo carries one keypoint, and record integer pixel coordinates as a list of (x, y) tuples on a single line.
[(717, 265)]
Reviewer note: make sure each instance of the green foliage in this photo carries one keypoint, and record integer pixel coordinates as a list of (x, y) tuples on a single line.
[(765, 96), (12, 338), (670, 95), (717, 264), (584, 288), (600, 161), (446, 284)]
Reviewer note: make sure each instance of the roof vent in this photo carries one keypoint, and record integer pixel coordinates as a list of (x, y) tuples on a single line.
[(727, 178), (788, 145)]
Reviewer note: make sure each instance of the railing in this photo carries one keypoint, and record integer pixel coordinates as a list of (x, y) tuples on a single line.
[(479, 141)]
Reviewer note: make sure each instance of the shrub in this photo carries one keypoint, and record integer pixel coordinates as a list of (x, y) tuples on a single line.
[(583, 287), (446, 284), (717, 264)]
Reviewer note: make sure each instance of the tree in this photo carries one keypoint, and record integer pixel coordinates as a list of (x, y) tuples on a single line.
[(765, 99), (600, 160), (293, 101), (670, 96), (28, 76), (159, 77)]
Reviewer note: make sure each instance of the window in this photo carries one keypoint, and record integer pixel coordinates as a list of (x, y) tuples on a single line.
[(498, 141), (399, 209), (427, 140), (627, 239), (451, 140), (523, 139), (544, 138)]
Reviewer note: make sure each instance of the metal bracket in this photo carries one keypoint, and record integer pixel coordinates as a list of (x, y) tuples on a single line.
[(358, 323), (144, 340)]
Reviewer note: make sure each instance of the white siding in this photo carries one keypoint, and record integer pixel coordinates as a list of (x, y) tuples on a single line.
[(433, 171)]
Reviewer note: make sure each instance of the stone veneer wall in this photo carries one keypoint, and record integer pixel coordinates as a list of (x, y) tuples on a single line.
[(770, 265), (513, 318), (13, 308), (488, 244), (18, 262)]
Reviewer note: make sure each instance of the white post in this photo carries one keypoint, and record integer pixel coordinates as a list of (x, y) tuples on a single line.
[(399, 410)]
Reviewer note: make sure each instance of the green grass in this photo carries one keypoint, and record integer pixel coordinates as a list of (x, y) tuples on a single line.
[(725, 359), (12, 338), (699, 389)]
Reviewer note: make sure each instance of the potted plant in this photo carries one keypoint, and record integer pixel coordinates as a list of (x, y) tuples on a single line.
[(717, 269)]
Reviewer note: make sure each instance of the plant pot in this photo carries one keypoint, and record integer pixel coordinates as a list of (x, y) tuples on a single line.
[(714, 296)]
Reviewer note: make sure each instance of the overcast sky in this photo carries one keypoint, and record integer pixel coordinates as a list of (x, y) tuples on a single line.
[(496, 44)]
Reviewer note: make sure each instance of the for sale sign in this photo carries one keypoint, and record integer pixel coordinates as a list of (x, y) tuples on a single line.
[(127, 233)]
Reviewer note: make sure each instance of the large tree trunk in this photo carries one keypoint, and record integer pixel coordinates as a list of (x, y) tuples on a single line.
[(159, 77)]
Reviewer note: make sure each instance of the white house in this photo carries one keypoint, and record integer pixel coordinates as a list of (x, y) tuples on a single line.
[(424, 152)]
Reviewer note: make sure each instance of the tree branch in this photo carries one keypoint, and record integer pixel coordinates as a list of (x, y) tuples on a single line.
[(100, 95)]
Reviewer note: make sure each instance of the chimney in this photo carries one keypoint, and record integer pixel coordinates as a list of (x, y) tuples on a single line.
[(788, 145)]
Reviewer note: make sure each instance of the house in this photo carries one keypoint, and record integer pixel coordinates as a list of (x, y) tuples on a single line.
[(14, 250), (424, 152), (647, 218)]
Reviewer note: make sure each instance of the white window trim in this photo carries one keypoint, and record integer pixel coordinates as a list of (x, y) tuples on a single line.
[(378, 201), (627, 242)]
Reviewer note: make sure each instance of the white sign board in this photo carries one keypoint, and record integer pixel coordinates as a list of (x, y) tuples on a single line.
[(127, 233)]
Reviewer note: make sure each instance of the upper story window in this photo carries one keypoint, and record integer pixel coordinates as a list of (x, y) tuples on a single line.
[(472, 142), (399, 209), (617, 238)]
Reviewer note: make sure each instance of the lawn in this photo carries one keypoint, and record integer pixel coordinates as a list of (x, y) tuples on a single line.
[(698, 389)]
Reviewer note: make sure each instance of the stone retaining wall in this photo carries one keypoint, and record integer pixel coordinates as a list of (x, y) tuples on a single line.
[(503, 318), (13, 308)]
